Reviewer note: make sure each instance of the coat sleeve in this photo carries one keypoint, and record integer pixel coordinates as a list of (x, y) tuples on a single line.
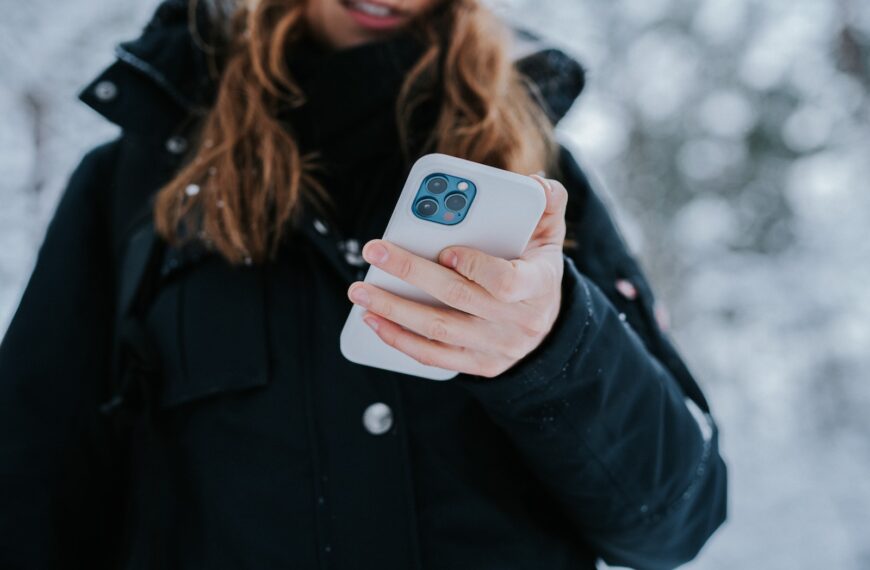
[(605, 412), (54, 369)]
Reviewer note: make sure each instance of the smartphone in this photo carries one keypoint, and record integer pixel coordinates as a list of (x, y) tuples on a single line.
[(445, 201)]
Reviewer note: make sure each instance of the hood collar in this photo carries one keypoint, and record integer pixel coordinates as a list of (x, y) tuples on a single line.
[(166, 69)]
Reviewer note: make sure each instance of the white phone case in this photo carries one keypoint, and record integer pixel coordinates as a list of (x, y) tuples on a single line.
[(499, 221)]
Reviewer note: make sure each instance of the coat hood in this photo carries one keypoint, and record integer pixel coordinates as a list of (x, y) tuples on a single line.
[(167, 69)]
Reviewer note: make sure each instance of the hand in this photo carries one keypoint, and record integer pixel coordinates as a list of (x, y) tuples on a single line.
[(498, 311)]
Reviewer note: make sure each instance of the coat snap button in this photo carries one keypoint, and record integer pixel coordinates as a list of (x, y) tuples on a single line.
[(105, 90), (354, 259), (352, 252), (320, 227), (378, 418), (176, 144), (627, 289), (351, 245)]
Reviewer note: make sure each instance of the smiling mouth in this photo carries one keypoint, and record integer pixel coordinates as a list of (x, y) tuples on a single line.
[(372, 9)]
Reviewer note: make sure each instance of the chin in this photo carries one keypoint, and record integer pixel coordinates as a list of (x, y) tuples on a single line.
[(347, 35)]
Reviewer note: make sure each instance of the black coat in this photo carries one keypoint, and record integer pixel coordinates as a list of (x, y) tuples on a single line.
[(161, 409)]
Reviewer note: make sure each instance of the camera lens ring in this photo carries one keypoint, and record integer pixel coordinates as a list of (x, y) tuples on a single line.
[(426, 207), (455, 202), (436, 184)]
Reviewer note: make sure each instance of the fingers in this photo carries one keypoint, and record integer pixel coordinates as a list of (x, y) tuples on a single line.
[(507, 281), (436, 280), (535, 272), (443, 325), (551, 227), (504, 308), (433, 353)]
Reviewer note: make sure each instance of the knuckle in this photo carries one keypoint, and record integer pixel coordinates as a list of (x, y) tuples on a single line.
[(468, 263), (382, 306), (458, 294), (506, 287), (405, 267), (437, 330)]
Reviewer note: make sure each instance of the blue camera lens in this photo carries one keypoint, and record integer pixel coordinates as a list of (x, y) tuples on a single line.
[(436, 185), (427, 207), (443, 198), (455, 202)]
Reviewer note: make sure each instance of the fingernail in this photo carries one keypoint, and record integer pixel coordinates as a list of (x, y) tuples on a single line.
[(375, 253), (450, 258), (373, 324), (359, 296), (545, 182)]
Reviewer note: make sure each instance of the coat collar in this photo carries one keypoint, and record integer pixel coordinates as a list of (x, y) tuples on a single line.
[(160, 82)]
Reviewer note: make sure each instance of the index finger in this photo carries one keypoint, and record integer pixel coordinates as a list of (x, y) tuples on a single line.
[(509, 281), (438, 281)]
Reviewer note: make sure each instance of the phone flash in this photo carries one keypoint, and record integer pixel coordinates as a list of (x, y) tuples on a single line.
[(448, 216), (462, 185)]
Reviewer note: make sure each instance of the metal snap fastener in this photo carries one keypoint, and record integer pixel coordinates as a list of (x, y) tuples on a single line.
[(354, 259), (351, 245), (320, 227), (378, 418), (176, 144), (105, 90)]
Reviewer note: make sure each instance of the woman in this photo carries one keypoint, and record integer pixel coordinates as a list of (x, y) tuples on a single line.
[(171, 389)]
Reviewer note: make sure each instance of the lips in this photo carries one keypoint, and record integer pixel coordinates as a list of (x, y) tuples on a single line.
[(375, 17), (373, 9)]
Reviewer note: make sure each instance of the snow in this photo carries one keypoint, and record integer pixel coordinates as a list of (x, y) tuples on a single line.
[(748, 180), (48, 52), (731, 138)]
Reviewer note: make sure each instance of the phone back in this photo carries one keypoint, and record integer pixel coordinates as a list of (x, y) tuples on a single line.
[(500, 219)]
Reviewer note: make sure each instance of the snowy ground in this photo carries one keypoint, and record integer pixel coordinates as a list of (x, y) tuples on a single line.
[(731, 137)]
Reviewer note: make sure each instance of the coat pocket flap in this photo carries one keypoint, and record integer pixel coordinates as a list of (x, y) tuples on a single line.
[(213, 332)]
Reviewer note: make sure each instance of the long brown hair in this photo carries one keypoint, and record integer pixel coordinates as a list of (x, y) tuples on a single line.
[(246, 177)]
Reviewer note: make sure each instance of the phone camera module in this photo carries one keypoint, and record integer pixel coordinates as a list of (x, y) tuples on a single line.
[(427, 207), (436, 185), (443, 198), (456, 202)]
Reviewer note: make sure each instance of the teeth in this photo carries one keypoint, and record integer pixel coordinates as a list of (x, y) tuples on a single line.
[(372, 9)]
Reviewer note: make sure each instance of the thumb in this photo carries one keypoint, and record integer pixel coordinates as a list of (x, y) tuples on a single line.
[(551, 227)]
